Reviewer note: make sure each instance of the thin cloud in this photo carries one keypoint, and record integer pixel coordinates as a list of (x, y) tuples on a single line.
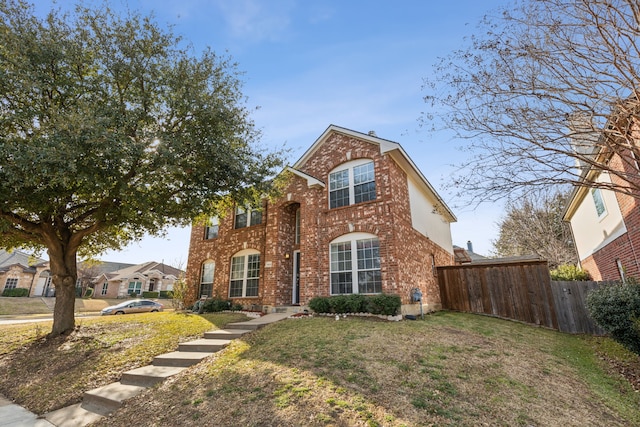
[(255, 20)]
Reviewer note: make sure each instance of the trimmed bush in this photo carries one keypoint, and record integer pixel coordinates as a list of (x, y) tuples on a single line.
[(320, 305), (388, 305), (166, 294), (569, 272), (356, 303), (616, 309), (152, 294), (16, 292), (214, 305)]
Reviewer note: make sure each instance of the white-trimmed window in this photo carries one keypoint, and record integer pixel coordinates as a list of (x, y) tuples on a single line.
[(355, 264), (245, 274), (598, 201), (246, 217), (135, 287), (11, 283), (105, 288), (352, 182), (206, 278), (211, 230)]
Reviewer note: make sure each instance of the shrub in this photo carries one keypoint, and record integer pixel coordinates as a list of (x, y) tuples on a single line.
[(16, 292), (616, 309), (356, 303), (320, 304), (152, 294), (569, 272), (166, 294), (388, 305), (214, 305)]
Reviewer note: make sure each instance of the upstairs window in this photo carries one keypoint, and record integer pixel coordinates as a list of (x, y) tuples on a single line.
[(352, 183), (247, 217), (211, 230), (601, 210)]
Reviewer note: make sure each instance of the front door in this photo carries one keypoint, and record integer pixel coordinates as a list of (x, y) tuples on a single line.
[(296, 278)]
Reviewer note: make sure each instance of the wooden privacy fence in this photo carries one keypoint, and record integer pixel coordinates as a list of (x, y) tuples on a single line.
[(520, 290)]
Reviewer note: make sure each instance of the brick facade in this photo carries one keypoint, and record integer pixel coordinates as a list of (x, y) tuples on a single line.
[(406, 256), (602, 264)]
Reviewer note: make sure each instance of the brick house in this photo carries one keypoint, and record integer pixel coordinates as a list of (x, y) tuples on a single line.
[(21, 270), (149, 276), (356, 216), (606, 224)]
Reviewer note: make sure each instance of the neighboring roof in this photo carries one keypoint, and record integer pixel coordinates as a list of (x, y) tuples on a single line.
[(392, 148), (144, 269), (16, 257), (463, 255)]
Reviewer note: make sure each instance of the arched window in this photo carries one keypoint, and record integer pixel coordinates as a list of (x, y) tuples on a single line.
[(245, 274), (206, 278), (352, 182), (355, 264)]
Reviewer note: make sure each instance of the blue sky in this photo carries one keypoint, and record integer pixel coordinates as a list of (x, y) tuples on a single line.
[(307, 64)]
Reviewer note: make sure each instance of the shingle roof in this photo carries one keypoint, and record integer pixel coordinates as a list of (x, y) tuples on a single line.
[(7, 259)]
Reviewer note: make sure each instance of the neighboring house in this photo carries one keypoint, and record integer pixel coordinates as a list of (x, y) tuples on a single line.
[(606, 224), (21, 270), (150, 276), (356, 217), (466, 256)]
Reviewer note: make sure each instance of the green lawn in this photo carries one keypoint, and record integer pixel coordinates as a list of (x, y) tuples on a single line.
[(450, 369)]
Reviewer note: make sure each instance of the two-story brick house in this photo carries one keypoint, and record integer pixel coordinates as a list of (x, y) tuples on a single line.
[(606, 224), (356, 216)]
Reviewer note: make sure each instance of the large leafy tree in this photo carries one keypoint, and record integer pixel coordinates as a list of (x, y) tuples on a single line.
[(533, 225), (545, 93), (111, 128)]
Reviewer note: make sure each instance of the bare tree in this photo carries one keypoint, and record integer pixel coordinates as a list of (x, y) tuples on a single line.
[(88, 270), (534, 225), (546, 93)]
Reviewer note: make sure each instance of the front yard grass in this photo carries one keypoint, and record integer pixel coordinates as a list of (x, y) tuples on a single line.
[(44, 375), (450, 369)]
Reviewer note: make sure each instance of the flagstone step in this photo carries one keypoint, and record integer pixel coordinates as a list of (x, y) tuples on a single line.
[(110, 396), (180, 358), (150, 375), (226, 334)]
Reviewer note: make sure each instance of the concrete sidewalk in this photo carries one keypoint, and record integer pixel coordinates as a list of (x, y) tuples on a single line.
[(12, 415)]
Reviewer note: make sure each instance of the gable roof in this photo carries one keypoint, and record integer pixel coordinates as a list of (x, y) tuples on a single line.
[(144, 269), (16, 257), (395, 151)]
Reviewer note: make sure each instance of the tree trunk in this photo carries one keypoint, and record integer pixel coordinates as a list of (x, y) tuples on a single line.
[(64, 274)]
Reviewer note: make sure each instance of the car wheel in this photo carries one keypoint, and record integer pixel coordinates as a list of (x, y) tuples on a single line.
[(154, 311), (119, 312)]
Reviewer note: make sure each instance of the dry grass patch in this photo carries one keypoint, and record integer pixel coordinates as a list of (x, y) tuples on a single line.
[(22, 306), (451, 369), (44, 375)]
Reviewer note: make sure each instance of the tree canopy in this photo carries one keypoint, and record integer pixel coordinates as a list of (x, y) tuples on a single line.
[(544, 94), (111, 128), (533, 225)]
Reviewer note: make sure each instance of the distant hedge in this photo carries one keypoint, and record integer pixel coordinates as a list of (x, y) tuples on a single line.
[(166, 294), (150, 294), (16, 292), (385, 304)]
